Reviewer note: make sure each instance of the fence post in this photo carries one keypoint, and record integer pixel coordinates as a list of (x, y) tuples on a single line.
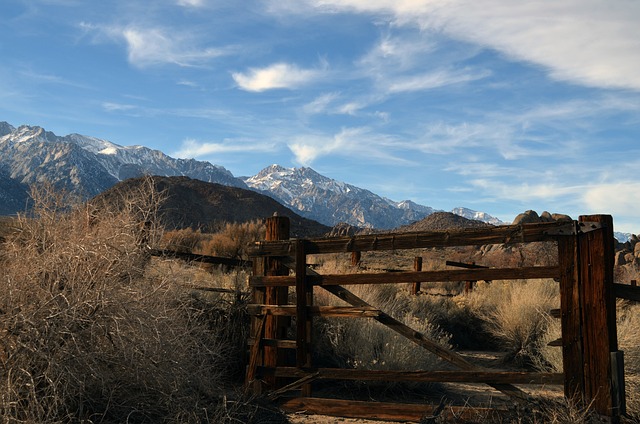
[(356, 256), (417, 267), (304, 299), (571, 318), (275, 327), (600, 340)]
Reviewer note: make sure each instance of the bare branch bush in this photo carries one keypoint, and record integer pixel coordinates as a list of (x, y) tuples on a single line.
[(517, 314), (87, 335), (232, 239)]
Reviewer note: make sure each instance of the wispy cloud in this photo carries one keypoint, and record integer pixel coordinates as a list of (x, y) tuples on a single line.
[(192, 148), (348, 142), (321, 103), (588, 42), (118, 107), (277, 75), (439, 78), (191, 3), (152, 45), (155, 46)]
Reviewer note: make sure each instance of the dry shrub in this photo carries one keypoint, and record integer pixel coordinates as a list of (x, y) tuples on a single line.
[(232, 240), (185, 240), (367, 344), (87, 335), (628, 317), (517, 315)]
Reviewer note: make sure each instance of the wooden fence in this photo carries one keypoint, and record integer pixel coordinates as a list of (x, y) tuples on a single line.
[(593, 366)]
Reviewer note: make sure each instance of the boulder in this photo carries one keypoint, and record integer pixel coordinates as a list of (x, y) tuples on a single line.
[(560, 217), (528, 217)]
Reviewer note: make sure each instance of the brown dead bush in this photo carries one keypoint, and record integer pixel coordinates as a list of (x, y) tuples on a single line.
[(88, 335)]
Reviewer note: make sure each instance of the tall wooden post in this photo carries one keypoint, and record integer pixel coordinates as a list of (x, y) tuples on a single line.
[(356, 256), (590, 344), (275, 327), (417, 267), (304, 299), (571, 317), (599, 313)]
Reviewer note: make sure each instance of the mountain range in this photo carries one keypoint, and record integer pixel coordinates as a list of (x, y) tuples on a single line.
[(89, 166)]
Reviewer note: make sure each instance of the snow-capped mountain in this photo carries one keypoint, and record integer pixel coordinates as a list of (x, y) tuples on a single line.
[(478, 216), (88, 165), (331, 202)]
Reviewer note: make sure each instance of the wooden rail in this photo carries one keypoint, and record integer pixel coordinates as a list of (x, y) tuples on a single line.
[(592, 363), (192, 257)]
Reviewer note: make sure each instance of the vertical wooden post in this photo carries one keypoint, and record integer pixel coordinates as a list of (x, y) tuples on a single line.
[(275, 326), (355, 258), (600, 340), (571, 318), (417, 267), (468, 285), (257, 329), (304, 298)]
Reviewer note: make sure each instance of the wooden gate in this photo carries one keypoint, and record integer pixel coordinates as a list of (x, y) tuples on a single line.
[(593, 367)]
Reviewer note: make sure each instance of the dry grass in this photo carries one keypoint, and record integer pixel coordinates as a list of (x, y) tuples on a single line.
[(230, 240), (90, 331), (517, 315), (94, 330), (367, 344)]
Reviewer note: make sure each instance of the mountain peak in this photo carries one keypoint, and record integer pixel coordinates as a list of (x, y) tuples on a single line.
[(5, 128)]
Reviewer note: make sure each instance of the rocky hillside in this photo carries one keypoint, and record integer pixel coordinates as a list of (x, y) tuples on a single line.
[(87, 165), (14, 196), (332, 202), (442, 221), (198, 204)]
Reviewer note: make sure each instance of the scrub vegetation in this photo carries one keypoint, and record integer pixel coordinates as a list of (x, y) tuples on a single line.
[(94, 329)]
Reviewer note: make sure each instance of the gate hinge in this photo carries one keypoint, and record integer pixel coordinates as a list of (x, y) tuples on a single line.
[(574, 228)]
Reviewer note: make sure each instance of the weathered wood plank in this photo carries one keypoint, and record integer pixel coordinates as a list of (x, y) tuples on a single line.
[(322, 311), (277, 228), (192, 257), (419, 339), (254, 356), (292, 386), (408, 277), (388, 411), (505, 234), (571, 318), (488, 377), (598, 312), (280, 344), (417, 267), (624, 291)]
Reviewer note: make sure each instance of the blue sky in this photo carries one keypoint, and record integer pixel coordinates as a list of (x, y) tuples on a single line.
[(496, 105)]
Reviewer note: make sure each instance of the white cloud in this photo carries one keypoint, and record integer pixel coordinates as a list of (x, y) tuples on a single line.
[(155, 46), (320, 104), (435, 79), (278, 75), (192, 148), (618, 198), (149, 46), (190, 3), (590, 42), (117, 107), (361, 142)]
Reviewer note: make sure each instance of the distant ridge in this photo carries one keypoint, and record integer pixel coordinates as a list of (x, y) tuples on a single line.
[(442, 221), (201, 205), (86, 166)]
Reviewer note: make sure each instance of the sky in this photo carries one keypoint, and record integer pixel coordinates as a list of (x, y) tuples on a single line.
[(499, 106)]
